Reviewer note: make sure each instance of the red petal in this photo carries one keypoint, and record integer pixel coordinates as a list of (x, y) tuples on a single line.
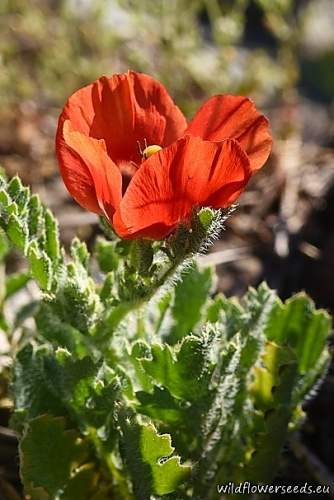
[(189, 173), (94, 161), (156, 231), (124, 109), (235, 117), (76, 174)]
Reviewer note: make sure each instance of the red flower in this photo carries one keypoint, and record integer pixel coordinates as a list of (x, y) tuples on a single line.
[(126, 152)]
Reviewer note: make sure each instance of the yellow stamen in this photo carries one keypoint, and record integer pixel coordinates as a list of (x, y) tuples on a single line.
[(151, 150)]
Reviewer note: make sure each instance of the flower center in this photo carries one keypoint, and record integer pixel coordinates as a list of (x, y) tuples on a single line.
[(128, 170)]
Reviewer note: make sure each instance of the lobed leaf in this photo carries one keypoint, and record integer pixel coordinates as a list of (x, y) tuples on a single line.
[(297, 324), (150, 460)]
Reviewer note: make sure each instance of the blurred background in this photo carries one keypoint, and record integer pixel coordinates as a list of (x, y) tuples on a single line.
[(279, 52)]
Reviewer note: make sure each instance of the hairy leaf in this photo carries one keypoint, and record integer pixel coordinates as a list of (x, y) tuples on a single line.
[(32, 229), (150, 460), (190, 296), (189, 361), (32, 393), (45, 440)]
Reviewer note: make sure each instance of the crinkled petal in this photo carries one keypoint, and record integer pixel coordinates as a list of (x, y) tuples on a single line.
[(94, 162), (189, 173), (123, 110), (235, 117)]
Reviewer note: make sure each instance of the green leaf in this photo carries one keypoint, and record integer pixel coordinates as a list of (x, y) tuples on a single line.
[(222, 434), (267, 374), (6, 207), (31, 389), (16, 281), (106, 254), (50, 455), (166, 474), (259, 396), (257, 307), (77, 302), (4, 245), (52, 381), (14, 187), (228, 313), (32, 229), (35, 219), (191, 360), (41, 268), (17, 231), (54, 329), (88, 389), (161, 312), (148, 456), (51, 235), (161, 406), (142, 256), (107, 288), (140, 379), (190, 296), (79, 252), (272, 390), (72, 379), (299, 325)]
